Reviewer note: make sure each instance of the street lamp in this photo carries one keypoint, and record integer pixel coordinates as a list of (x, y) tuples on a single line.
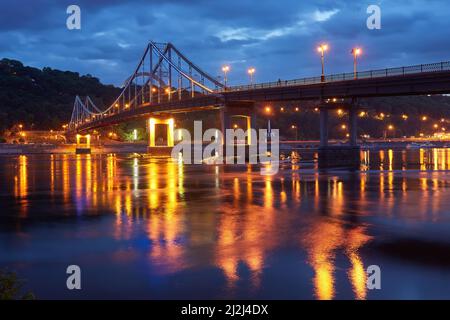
[(294, 127), (356, 52), (225, 70), (389, 128), (251, 71), (322, 48)]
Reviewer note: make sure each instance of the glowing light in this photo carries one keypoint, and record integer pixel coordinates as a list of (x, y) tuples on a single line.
[(151, 126), (226, 69), (297, 109), (340, 112), (170, 139), (153, 89), (322, 48), (435, 126), (390, 127), (135, 134), (281, 109), (344, 127), (362, 114), (235, 126), (268, 109), (404, 117), (356, 51), (126, 105), (170, 125), (251, 71), (84, 140), (424, 118)]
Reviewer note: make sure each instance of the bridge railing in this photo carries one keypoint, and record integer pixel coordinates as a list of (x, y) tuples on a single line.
[(381, 73)]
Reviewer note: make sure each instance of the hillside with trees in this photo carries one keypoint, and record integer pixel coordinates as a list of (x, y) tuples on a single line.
[(43, 99)]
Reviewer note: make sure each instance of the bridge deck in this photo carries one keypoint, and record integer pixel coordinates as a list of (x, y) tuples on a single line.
[(414, 80)]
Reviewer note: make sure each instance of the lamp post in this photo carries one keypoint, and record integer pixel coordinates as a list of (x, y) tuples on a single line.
[(225, 70), (251, 71), (356, 52), (322, 48), (294, 127), (390, 128)]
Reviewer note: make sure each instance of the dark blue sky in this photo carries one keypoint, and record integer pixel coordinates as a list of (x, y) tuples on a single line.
[(277, 37)]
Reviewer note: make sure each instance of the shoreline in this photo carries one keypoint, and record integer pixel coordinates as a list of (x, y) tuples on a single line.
[(141, 147)]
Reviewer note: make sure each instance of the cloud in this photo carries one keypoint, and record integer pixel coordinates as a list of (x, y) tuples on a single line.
[(321, 16), (277, 38)]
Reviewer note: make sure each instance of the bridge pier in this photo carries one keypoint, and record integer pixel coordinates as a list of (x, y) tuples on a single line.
[(83, 144), (323, 127), (158, 146), (353, 125), (347, 156), (238, 110)]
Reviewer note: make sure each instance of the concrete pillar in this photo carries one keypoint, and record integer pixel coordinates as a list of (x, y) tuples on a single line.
[(353, 126), (323, 127), (225, 121), (83, 144), (251, 124)]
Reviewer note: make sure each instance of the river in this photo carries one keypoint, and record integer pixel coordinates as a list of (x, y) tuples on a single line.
[(142, 228)]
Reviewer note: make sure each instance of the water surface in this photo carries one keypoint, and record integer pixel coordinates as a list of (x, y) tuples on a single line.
[(142, 228)]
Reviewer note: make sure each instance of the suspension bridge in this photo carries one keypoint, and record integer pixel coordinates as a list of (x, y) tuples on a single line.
[(166, 82)]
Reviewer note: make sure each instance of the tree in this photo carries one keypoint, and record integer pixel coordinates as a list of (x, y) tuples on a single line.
[(11, 287)]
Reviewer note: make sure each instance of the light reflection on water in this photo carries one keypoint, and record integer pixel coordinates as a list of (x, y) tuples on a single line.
[(147, 228)]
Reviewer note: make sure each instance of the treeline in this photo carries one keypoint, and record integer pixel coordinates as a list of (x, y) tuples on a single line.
[(43, 99), (390, 116)]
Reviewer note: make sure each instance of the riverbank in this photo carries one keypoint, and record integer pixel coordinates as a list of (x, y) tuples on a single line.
[(17, 149), (141, 147)]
